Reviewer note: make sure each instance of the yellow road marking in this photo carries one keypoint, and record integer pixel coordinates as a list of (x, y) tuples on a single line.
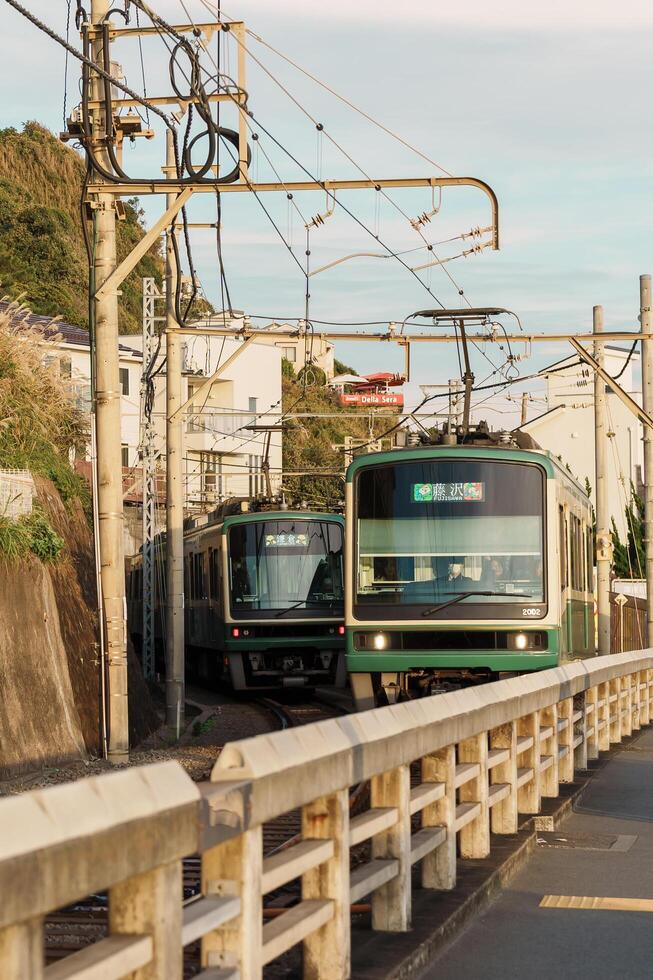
[(604, 904)]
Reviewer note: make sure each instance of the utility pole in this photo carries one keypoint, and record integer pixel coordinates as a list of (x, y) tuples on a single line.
[(175, 639), (603, 537), (107, 413), (647, 403), (524, 408)]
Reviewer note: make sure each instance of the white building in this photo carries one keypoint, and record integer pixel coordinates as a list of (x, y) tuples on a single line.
[(308, 349), (230, 433), (566, 428), (69, 347), (232, 429)]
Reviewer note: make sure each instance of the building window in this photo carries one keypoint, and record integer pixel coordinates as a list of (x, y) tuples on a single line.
[(290, 354), (252, 405), (124, 380), (124, 452), (65, 367)]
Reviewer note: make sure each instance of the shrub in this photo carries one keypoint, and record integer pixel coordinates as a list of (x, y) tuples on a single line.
[(30, 533), (45, 543)]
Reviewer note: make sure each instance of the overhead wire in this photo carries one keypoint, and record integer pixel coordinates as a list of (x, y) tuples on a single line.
[(375, 122), (320, 129)]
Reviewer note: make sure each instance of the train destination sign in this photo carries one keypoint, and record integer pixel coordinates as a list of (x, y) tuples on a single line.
[(286, 540), (448, 493)]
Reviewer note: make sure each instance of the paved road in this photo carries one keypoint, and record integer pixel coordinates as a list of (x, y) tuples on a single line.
[(516, 939)]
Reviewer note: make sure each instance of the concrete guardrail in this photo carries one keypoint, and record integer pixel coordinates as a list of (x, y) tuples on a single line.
[(485, 754)]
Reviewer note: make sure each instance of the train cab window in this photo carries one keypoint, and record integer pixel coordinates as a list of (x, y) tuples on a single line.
[(430, 530), (286, 567)]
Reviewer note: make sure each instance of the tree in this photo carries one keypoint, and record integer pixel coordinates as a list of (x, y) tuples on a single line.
[(341, 368), (629, 556)]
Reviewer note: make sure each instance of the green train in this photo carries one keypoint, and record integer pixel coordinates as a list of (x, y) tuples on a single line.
[(263, 599), (464, 564)]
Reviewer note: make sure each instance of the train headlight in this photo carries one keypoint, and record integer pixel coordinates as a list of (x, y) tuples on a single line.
[(380, 641), (526, 641)]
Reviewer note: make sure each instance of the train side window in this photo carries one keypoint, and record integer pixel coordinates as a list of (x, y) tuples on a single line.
[(213, 573), (589, 551), (563, 549), (199, 576), (576, 554), (187, 577), (191, 576)]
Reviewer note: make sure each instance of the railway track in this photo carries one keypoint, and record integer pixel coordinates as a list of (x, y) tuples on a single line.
[(72, 928)]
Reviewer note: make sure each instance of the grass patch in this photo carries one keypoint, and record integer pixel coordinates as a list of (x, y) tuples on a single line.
[(30, 534)]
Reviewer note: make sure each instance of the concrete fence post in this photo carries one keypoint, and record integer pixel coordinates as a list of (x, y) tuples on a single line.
[(391, 904), (235, 868), (603, 722), (644, 698), (626, 706), (566, 741), (150, 904), (635, 697), (591, 725), (474, 837), (529, 799), (615, 709), (549, 779), (327, 951), (21, 951), (439, 867), (580, 728), (504, 815)]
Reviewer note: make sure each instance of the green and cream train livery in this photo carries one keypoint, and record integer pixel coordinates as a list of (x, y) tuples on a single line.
[(464, 564)]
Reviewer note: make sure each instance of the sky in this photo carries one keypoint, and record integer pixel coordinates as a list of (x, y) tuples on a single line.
[(547, 102)]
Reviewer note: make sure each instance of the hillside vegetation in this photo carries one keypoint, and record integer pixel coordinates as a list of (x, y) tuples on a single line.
[(40, 428), (308, 442), (42, 253)]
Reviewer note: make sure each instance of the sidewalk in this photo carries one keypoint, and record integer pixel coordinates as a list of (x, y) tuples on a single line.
[(604, 849)]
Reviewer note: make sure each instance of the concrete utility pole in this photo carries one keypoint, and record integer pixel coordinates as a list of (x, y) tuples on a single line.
[(603, 537), (524, 408), (107, 413), (647, 403), (175, 659)]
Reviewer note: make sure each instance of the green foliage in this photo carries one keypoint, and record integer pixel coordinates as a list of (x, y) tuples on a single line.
[(311, 375), (308, 441), (15, 540), (340, 368), (42, 253), (39, 425), (30, 533), (629, 556), (287, 370)]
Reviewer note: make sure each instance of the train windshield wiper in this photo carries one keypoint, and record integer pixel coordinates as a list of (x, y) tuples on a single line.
[(296, 605), (463, 595)]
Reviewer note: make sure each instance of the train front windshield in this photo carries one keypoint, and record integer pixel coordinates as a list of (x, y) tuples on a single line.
[(440, 532), (289, 568)]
